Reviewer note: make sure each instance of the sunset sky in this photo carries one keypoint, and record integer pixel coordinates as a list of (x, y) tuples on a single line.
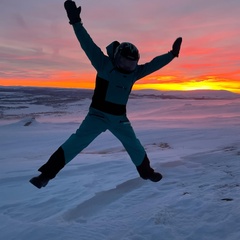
[(38, 46)]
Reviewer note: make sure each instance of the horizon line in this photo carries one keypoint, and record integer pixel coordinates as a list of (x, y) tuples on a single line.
[(141, 89)]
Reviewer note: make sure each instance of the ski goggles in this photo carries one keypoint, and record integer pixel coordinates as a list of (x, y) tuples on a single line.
[(124, 64)]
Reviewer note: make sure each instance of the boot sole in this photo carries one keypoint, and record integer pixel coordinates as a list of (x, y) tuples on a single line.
[(37, 183)]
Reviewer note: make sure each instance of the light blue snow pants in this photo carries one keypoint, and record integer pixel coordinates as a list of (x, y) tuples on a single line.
[(97, 122)]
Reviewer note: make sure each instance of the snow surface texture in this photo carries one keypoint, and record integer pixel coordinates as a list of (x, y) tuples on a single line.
[(192, 139)]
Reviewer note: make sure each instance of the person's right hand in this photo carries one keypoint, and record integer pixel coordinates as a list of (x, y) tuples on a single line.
[(73, 12)]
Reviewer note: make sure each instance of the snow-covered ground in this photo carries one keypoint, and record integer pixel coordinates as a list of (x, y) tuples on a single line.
[(193, 139)]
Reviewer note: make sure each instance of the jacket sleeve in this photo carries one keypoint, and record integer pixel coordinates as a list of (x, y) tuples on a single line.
[(154, 65), (93, 52)]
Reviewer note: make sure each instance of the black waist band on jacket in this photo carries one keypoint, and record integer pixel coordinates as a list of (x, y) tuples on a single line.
[(108, 107)]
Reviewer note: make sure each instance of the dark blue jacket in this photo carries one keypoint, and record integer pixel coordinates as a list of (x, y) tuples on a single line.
[(113, 87)]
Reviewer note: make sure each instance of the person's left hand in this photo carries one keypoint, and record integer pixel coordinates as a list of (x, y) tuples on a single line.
[(176, 47)]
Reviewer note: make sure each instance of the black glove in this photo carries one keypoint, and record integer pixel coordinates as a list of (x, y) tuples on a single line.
[(73, 12), (176, 47)]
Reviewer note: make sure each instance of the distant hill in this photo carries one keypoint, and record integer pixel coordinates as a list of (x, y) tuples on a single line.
[(75, 94)]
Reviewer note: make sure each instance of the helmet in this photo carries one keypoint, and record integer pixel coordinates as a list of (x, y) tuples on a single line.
[(126, 57), (128, 50)]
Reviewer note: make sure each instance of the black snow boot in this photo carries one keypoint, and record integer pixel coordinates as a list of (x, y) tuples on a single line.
[(39, 181), (146, 172), (50, 169)]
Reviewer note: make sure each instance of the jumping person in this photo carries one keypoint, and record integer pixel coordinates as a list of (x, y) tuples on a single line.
[(116, 74)]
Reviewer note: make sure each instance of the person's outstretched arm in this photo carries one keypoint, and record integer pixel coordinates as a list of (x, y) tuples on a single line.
[(160, 61), (93, 52)]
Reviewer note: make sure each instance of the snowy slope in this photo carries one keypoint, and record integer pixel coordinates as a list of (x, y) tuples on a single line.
[(195, 144)]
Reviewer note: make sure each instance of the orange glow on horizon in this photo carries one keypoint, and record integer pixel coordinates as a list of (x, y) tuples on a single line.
[(172, 83), (164, 83), (184, 86)]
